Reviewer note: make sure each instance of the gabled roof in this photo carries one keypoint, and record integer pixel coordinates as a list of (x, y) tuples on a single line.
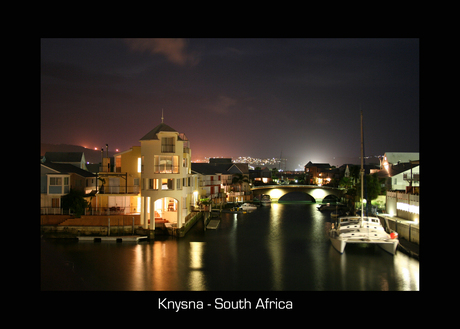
[(65, 168), (220, 168), (395, 157), (210, 169), (64, 156), (318, 165), (153, 133), (396, 169)]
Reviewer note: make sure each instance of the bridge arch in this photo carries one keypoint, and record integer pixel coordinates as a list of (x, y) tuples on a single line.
[(297, 196), (318, 193)]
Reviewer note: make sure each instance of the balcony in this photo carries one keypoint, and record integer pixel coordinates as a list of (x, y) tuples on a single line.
[(414, 177), (121, 189)]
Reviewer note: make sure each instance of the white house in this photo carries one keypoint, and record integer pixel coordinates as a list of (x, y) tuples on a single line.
[(168, 188)]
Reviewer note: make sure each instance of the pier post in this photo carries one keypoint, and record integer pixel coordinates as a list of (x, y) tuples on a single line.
[(108, 231), (133, 225)]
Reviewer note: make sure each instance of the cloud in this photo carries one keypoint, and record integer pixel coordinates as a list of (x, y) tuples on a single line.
[(175, 50), (223, 105)]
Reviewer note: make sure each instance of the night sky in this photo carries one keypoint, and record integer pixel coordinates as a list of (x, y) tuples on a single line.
[(235, 97)]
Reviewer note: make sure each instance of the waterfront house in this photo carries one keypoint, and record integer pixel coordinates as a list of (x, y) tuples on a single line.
[(261, 175), (318, 173), (393, 158), (169, 190), (225, 181), (403, 177), (76, 159), (118, 186), (57, 179)]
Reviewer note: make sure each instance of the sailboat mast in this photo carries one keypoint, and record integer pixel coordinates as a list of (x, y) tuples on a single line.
[(362, 167)]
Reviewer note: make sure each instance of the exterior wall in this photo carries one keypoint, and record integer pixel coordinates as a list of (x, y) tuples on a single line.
[(129, 164), (177, 192), (398, 182), (406, 206)]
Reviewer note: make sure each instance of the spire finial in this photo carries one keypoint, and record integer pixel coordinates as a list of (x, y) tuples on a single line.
[(161, 115)]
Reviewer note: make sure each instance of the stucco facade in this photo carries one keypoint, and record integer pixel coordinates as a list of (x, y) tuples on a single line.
[(168, 189)]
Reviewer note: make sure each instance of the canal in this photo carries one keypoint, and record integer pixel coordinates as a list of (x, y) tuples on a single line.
[(283, 247)]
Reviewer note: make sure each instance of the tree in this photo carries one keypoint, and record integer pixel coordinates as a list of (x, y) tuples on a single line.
[(239, 179), (75, 201), (371, 188), (345, 182)]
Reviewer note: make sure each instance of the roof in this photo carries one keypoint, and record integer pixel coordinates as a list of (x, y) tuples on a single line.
[(318, 165), (210, 168), (65, 168), (395, 157), (220, 168), (153, 133), (397, 169), (64, 156)]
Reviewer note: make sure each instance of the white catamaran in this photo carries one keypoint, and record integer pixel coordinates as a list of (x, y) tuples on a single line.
[(362, 229)]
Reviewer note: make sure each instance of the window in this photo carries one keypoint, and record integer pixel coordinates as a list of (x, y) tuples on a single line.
[(167, 184), (55, 203), (167, 145), (153, 184), (166, 164), (178, 185), (56, 181)]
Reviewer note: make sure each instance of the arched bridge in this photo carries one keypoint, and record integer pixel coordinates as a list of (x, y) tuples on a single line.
[(316, 193)]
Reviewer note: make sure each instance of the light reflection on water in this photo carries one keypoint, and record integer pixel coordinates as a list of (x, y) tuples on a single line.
[(282, 247)]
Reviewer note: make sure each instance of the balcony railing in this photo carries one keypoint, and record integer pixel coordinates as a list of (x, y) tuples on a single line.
[(414, 177), (91, 211), (121, 189)]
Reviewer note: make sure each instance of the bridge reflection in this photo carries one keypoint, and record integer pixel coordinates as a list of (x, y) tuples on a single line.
[(317, 193)]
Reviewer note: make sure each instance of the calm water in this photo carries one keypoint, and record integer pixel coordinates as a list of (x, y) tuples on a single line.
[(283, 247)]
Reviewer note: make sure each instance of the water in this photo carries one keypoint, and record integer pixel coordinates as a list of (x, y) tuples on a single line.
[(283, 247)]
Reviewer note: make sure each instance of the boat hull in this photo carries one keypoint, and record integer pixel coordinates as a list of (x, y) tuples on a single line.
[(389, 246), (338, 244)]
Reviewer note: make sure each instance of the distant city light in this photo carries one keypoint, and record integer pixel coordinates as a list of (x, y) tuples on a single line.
[(95, 148)]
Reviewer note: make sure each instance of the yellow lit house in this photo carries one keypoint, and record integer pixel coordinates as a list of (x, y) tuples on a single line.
[(169, 191), (119, 189)]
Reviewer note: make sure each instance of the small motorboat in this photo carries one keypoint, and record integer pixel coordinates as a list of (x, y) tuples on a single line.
[(265, 200), (248, 206)]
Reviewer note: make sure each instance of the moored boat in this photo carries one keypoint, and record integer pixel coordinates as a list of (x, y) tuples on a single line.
[(265, 200), (248, 206), (362, 229)]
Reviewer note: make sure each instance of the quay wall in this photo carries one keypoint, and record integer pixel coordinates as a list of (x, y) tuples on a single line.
[(406, 229), (88, 220), (61, 226), (58, 231)]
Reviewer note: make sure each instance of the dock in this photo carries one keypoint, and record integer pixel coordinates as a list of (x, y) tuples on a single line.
[(127, 238), (213, 223)]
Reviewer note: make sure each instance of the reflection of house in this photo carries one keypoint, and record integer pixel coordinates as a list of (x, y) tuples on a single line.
[(56, 180), (168, 189)]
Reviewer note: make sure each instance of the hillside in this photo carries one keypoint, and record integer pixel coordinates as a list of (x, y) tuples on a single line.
[(91, 156)]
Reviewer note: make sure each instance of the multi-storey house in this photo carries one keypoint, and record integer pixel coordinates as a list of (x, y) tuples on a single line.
[(119, 188), (57, 179), (169, 191), (224, 181)]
